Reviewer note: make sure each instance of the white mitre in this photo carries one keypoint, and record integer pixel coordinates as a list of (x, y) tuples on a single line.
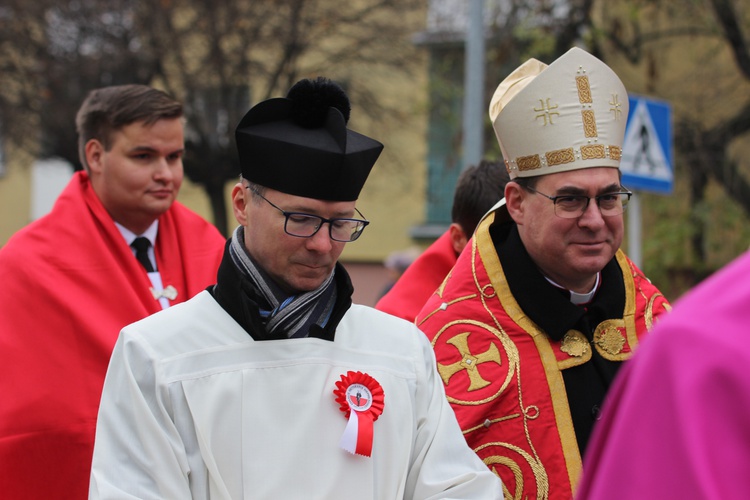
[(566, 116)]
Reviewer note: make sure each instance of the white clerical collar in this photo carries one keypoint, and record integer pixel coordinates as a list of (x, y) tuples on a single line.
[(579, 298), (149, 233)]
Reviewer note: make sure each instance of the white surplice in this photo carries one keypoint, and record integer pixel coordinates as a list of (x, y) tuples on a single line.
[(193, 407)]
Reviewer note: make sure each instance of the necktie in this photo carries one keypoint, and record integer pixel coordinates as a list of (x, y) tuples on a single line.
[(141, 245)]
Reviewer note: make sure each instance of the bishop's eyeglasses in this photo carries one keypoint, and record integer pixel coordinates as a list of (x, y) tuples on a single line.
[(569, 206), (304, 225)]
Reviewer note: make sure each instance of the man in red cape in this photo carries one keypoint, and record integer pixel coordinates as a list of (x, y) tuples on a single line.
[(70, 282)]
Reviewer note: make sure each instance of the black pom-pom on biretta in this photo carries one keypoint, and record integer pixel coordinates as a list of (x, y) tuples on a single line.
[(312, 98)]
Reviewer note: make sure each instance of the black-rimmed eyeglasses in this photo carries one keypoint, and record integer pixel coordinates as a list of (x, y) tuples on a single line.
[(304, 225), (569, 206)]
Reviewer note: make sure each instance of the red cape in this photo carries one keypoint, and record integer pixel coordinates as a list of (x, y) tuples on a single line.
[(407, 296), (68, 284)]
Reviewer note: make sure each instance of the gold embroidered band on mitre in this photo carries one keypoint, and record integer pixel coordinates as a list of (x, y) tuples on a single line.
[(561, 156)]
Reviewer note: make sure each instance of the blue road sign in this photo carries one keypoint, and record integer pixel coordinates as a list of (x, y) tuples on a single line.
[(647, 151)]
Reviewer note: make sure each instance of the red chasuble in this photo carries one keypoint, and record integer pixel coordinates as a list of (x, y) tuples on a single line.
[(68, 284), (503, 374), (407, 296)]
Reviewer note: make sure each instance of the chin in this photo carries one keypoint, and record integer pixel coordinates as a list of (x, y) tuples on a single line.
[(159, 208), (592, 264)]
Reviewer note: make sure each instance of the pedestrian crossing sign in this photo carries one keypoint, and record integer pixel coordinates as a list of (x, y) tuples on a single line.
[(646, 162)]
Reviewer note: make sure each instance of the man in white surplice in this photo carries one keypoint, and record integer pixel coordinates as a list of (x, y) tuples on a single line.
[(272, 384)]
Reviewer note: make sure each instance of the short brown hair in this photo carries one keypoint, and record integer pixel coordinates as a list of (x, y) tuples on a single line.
[(108, 109), (478, 188)]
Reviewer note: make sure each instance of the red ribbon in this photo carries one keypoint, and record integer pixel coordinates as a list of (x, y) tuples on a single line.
[(361, 399)]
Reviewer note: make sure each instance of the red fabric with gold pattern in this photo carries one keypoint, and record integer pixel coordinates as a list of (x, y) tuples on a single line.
[(503, 375)]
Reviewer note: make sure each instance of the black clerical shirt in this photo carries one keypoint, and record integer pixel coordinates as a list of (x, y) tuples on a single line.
[(551, 309)]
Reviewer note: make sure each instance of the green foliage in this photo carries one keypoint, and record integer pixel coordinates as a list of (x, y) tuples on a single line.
[(537, 41)]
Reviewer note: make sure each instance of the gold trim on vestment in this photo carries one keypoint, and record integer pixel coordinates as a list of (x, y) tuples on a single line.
[(649, 314), (444, 305), (540, 474), (489, 422), (440, 288), (628, 315), (484, 247)]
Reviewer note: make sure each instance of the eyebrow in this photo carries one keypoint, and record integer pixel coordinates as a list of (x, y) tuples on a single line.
[(336, 215), (149, 149), (302, 209), (577, 191)]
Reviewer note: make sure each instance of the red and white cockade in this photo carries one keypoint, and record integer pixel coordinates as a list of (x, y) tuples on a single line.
[(361, 399)]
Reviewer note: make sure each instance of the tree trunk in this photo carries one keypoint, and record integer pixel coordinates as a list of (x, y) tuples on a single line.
[(218, 207)]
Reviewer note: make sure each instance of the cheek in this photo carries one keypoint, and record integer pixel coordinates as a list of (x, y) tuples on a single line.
[(127, 176), (338, 248), (120, 179), (177, 184), (178, 174), (618, 229), (554, 236), (274, 251), (137, 179), (548, 231)]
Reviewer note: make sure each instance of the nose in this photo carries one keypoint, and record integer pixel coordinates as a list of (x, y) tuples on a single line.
[(163, 169), (320, 241), (592, 217)]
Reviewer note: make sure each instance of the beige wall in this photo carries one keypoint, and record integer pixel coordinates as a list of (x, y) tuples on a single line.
[(393, 198)]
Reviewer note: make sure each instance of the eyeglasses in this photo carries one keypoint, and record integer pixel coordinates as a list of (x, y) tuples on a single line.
[(304, 225), (570, 206)]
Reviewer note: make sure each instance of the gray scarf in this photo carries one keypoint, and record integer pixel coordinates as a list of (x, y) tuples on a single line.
[(291, 314)]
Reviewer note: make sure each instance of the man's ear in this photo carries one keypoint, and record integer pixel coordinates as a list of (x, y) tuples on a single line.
[(459, 239), (240, 199), (514, 196), (94, 151)]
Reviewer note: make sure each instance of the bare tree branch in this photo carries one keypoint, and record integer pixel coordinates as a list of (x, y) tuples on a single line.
[(727, 17)]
